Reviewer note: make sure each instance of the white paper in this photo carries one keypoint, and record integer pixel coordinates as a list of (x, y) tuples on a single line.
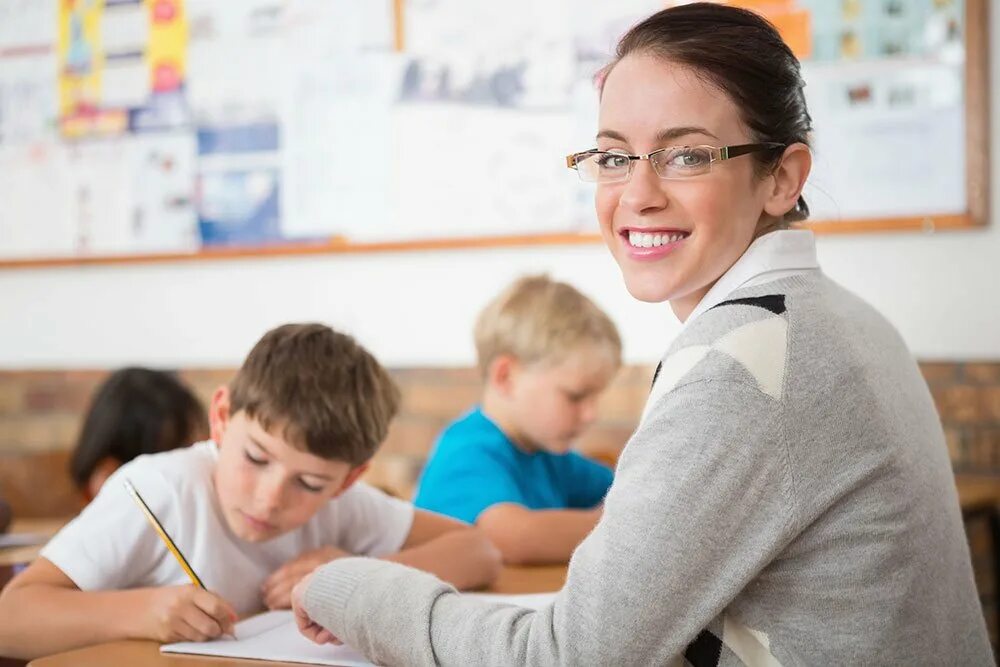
[(889, 139), (335, 118), (274, 636), (36, 189), (133, 194), (124, 29), (163, 216), (464, 171), (235, 69), (28, 99), (27, 24)]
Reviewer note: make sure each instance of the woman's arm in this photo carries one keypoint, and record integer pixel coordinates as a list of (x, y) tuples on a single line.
[(700, 505)]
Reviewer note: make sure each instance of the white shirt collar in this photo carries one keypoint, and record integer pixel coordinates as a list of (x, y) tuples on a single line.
[(775, 255)]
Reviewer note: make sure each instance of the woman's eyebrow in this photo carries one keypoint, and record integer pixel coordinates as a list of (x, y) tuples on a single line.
[(664, 135)]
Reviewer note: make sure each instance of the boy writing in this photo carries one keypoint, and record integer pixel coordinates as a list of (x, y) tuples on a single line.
[(273, 495), (546, 352)]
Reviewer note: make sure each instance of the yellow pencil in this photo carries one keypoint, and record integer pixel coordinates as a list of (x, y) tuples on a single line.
[(163, 535)]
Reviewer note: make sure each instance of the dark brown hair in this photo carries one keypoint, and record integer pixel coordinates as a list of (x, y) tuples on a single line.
[(741, 54), (322, 391), (136, 411)]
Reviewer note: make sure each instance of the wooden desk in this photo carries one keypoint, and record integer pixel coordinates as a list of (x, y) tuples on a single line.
[(147, 653)]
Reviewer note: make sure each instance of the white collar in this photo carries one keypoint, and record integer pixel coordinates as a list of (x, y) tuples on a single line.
[(775, 255)]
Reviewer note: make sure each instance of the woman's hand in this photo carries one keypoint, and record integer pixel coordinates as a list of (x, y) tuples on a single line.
[(277, 590), (312, 630)]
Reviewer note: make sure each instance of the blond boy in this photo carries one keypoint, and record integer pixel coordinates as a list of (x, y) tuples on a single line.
[(272, 496), (546, 352)]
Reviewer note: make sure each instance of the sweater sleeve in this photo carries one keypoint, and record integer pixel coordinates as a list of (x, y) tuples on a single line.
[(701, 503)]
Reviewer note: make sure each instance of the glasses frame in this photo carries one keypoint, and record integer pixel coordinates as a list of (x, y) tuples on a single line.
[(718, 154)]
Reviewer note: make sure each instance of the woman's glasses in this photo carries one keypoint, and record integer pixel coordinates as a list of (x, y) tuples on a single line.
[(674, 162)]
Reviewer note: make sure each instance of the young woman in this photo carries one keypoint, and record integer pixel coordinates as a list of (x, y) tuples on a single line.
[(787, 498)]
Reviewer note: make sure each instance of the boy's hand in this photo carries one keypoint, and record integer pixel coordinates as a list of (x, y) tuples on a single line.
[(187, 613), (309, 628), (277, 590)]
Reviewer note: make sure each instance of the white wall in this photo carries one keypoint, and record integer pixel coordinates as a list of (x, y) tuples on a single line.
[(941, 291)]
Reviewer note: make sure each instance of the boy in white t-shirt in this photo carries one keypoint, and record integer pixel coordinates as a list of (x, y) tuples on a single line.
[(273, 495)]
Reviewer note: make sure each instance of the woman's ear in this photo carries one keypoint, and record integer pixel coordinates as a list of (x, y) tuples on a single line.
[(789, 178), (218, 414)]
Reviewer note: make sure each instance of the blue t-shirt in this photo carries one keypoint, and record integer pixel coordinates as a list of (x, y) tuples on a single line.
[(474, 466)]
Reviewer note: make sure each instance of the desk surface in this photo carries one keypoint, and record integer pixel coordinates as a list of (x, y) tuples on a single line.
[(147, 653)]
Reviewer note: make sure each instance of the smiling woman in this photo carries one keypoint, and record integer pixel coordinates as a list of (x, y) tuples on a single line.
[(714, 102), (787, 496)]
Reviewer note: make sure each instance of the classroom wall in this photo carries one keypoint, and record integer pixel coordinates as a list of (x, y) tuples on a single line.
[(416, 309)]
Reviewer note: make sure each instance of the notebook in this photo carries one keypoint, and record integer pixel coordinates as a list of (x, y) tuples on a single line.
[(273, 636)]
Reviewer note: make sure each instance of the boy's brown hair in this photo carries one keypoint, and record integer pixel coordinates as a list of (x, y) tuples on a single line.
[(539, 319), (324, 392)]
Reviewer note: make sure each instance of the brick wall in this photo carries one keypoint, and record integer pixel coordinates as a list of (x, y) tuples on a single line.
[(41, 411), (968, 399)]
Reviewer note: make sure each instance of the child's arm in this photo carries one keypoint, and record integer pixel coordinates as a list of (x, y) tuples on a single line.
[(534, 537), (455, 552), (42, 612)]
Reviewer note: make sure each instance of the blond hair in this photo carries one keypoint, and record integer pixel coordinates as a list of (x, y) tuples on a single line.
[(539, 319)]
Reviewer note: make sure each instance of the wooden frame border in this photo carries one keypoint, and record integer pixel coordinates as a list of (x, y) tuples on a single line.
[(977, 161)]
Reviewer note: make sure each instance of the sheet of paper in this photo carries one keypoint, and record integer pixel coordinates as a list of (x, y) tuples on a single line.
[(27, 24), (36, 187), (273, 636), (335, 116), (28, 102), (885, 132)]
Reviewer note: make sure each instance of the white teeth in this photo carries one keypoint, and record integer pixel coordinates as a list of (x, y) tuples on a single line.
[(644, 240)]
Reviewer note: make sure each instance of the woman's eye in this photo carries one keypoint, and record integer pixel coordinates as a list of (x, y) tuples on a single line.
[(613, 161), (686, 159), (252, 460)]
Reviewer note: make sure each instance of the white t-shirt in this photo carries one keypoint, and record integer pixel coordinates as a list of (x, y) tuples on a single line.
[(111, 545)]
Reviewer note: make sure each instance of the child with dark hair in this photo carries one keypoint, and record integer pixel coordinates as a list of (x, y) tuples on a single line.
[(136, 411)]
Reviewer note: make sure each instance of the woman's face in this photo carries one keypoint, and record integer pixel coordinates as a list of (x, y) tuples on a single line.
[(704, 223)]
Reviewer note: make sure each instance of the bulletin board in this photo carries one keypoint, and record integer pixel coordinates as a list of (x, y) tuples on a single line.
[(152, 130)]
